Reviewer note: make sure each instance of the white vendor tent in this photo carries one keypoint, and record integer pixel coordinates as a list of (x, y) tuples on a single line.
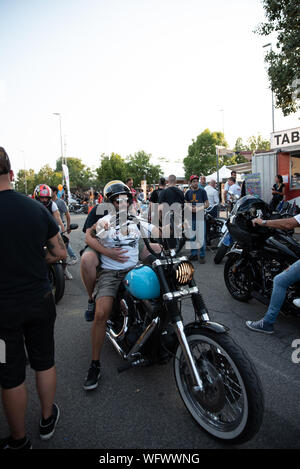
[(224, 173)]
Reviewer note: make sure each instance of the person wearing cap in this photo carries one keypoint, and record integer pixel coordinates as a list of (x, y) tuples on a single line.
[(27, 308), (194, 196)]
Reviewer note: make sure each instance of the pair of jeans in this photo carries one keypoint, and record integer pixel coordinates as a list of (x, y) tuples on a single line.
[(194, 252), (70, 251), (280, 286)]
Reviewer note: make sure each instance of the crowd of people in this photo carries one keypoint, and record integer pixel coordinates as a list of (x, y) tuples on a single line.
[(26, 301)]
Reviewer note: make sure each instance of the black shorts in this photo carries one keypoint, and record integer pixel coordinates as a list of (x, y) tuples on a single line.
[(31, 325)]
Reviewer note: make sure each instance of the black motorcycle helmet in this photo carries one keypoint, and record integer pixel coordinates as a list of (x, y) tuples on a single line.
[(115, 188), (249, 204), (240, 223)]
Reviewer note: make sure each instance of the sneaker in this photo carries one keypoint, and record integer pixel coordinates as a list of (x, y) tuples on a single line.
[(193, 258), (73, 261), (296, 302), (10, 443), (90, 312), (47, 427), (260, 326), (68, 275), (202, 260), (91, 381)]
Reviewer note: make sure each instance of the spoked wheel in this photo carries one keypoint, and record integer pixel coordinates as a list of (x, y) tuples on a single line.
[(237, 279), (231, 405)]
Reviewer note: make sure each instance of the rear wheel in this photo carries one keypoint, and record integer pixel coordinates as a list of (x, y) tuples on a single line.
[(57, 280), (231, 405)]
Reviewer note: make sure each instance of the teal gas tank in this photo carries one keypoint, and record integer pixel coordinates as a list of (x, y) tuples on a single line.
[(142, 283)]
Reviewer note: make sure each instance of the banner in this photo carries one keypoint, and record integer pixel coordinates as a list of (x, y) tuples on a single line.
[(66, 174)]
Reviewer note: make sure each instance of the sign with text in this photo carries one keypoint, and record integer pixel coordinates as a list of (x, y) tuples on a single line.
[(285, 138), (253, 184)]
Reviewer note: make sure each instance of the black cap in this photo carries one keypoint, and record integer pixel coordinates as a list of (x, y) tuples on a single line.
[(4, 162)]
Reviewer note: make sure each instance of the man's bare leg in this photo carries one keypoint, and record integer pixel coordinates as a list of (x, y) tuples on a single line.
[(88, 269), (103, 310), (15, 403), (46, 387)]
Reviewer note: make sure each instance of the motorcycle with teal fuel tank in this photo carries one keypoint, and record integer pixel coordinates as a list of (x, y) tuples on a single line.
[(215, 377)]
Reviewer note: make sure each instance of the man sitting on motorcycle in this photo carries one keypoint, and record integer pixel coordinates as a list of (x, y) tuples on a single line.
[(281, 281), (112, 271)]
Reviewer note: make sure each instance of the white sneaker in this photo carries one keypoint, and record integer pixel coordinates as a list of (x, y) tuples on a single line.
[(73, 261), (296, 302), (68, 275)]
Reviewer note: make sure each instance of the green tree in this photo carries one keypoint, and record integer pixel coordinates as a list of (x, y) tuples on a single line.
[(111, 167), (25, 181), (257, 144), (253, 144), (81, 177), (239, 145), (47, 175), (139, 167), (283, 18), (201, 158)]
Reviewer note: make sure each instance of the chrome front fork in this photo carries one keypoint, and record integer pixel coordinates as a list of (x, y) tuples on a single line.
[(179, 329)]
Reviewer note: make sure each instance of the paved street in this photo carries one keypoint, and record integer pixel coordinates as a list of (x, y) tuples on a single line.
[(141, 408)]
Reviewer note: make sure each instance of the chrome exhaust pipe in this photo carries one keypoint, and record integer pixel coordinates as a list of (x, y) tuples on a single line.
[(120, 335), (115, 344)]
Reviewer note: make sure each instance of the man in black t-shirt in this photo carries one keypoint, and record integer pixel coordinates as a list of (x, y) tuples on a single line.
[(171, 194), (27, 309), (168, 197)]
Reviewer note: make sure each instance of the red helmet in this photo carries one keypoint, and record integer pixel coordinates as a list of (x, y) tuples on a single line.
[(42, 190), (194, 177)]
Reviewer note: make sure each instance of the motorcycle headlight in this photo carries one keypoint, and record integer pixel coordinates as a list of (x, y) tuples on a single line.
[(184, 272)]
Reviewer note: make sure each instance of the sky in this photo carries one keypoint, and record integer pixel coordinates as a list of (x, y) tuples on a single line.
[(130, 75)]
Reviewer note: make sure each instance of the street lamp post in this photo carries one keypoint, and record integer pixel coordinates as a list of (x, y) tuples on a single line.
[(273, 120), (61, 141)]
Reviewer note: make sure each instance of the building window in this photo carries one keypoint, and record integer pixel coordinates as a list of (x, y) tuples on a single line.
[(295, 172)]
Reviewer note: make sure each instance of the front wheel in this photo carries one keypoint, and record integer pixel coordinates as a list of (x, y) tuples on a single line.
[(57, 280), (220, 253), (231, 405), (237, 278)]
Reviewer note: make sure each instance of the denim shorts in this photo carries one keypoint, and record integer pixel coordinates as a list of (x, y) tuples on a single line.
[(30, 326)]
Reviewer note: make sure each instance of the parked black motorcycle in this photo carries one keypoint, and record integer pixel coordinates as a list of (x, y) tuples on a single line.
[(57, 271), (214, 225), (258, 255), (226, 240), (215, 377)]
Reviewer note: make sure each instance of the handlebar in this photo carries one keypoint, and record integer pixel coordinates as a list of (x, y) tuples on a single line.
[(138, 219)]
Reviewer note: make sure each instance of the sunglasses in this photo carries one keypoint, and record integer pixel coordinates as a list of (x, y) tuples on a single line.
[(120, 200)]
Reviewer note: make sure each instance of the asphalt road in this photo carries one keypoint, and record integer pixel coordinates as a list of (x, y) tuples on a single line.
[(141, 408)]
